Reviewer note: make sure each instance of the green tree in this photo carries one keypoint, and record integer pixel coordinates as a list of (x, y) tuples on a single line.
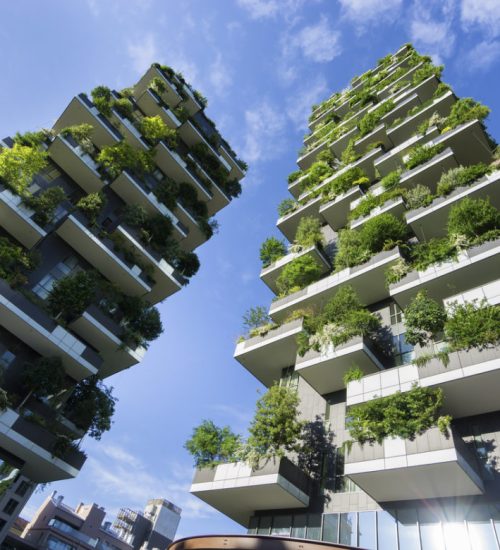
[(309, 232), (45, 203), (272, 249), (70, 296), (256, 317), (299, 273), (275, 428), (122, 156), (210, 445), (382, 232), (44, 377), (473, 217), (142, 321), (19, 165), (464, 110), (101, 97), (424, 318), (154, 129), (91, 205)]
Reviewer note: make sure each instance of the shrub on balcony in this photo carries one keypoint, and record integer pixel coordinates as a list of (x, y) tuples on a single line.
[(465, 110), (122, 156), (43, 378), (19, 165), (82, 134), (102, 99), (421, 153), (210, 445), (167, 191), (371, 201), (286, 206), (424, 319), (370, 121), (186, 263), (181, 113), (157, 85), (294, 176), (70, 296), (342, 184), (271, 250), (14, 262), (298, 274), (34, 139), (349, 154), (351, 249), (473, 218), (44, 204), (391, 180), (91, 407), (460, 177), (431, 252), (257, 322), (418, 196), (91, 205), (309, 232), (383, 232), (403, 415), (425, 72), (141, 321), (154, 130), (354, 374), (317, 173), (343, 317)]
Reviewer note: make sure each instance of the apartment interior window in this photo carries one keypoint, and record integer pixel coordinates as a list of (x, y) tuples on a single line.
[(62, 269), (401, 350), (23, 488), (396, 314), (289, 378), (55, 544), (6, 359), (10, 506)]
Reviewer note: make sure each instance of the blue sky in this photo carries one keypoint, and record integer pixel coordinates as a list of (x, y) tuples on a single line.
[(261, 63)]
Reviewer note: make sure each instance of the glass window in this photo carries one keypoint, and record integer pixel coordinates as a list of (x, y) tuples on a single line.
[(331, 528), (402, 351), (313, 527), (367, 535), (7, 358), (395, 313), (480, 527), (455, 535), (55, 544), (23, 488), (408, 529), (281, 526), (299, 526), (44, 286), (289, 378), (386, 530), (252, 527), (10, 506), (264, 525), (431, 533), (348, 528)]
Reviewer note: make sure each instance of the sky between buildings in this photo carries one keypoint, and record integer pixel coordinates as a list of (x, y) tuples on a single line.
[(262, 64)]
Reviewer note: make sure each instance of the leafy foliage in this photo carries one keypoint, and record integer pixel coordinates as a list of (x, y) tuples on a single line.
[(472, 325), (45, 376), (473, 217), (459, 177), (421, 153), (45, 203), (418, 196), (391, 180), (309, 232), (299, 273), (404, 415), (369, 122), (286, 206), (465, 110), (82, 134), (256, 317), (122, 156), (154, 130), (101, 97), (91, 205), (19, 165), (353, 374), (424, 318), (14, 262), (211, 445), (71, 295), (271, 250)]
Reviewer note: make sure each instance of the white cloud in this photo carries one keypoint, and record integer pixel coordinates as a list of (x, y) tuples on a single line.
[(362, 12), (431, 27), (143, 52), (484, 14), (319, 42), (264, 133), (220, 77), (483, 56), (298, 105), (260, 9)]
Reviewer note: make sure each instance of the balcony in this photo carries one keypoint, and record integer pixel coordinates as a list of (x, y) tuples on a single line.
[(170, 96), (133, 191), (335, 212), (130, 133), (190, 101), (33, 445), (409, 126), (430, 222), (103, 333), (99, 253), (76, 163), (151, 104), (81, 110), (195, 236), (191, 136), (337, 147), (266, 356), (377, 134), (166, 280), (403, 104), (41, 333), (270, 274), (238, 491), (430, 172), (407, 77), (289, 223), (16, 219), (473, 267), (468, 375), (235, 169), (430, 466), (218, 198), (324, 370), (396, 207), (368, 280)]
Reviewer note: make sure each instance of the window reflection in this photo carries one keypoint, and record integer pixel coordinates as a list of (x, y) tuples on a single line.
[(348, 528), (386, 530), (408, 529), (367, 535), (331, 527)]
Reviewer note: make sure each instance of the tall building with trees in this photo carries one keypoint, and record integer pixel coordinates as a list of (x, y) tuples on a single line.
[(99, 218), (381, 424)]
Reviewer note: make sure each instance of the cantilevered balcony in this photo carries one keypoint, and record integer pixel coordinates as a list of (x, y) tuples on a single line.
[(190, 100), (407, 77), (166, 280), (191, 136), (335, 212), (396, 207), (99, 252), (266, 356), (430, 221), (16, 219), (238, 491), (82, 111), (403, 104), (271, 273), (324, 370), (76, 163), (104, 333), (170, 95), (40, 332), (473, 267), (151, 104), (34, 444), (431, 466), (130, 133), (235, 169), (218, 199), (289, 223), (429, 172), (133, 191), (337, 147), (368, 280), (408, 127), (468, 375), (378, 134)]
